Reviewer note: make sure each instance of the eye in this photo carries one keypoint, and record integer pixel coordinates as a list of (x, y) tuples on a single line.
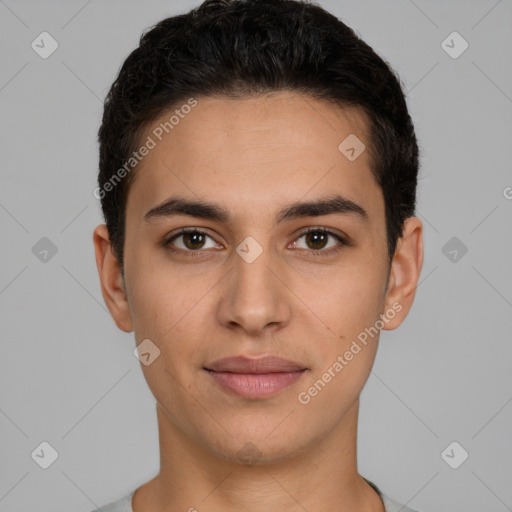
[(193, 240), (316, 238)]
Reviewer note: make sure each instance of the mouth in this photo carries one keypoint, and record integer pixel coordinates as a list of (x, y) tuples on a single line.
[(255, 378)]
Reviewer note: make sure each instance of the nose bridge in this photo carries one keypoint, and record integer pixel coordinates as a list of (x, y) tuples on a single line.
[(255, 296)]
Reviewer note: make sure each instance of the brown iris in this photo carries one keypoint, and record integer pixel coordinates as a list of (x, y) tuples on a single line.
[(317, 237)]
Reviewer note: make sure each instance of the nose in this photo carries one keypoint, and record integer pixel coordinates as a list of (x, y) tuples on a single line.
[(255, 297)]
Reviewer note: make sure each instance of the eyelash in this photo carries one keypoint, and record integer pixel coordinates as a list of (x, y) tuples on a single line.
[(320, 252)]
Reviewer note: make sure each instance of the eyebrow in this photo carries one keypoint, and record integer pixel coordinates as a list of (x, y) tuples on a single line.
[(176, 205)]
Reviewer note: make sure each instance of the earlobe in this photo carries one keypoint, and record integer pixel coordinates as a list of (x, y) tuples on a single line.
[(405, 271), (111, 279)]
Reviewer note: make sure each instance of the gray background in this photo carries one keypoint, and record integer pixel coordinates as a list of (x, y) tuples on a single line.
[(68, 375)]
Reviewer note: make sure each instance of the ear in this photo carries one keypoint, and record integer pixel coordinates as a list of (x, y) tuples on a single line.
[(404, 274), (111, 279)]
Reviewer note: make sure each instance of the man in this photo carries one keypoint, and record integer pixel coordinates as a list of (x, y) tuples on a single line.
[(258, 171)]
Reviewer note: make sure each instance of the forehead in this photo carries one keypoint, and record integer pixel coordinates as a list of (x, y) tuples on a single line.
[(255, 152)]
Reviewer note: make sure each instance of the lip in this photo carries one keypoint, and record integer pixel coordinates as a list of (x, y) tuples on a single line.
[(266, 364), (255, 378)]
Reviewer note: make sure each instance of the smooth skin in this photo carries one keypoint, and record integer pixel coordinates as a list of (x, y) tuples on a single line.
[(254, 156)]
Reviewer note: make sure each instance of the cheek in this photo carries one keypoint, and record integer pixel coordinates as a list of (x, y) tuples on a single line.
[(158, 297), (350, 299), (344, 356), (148, 302), (170, 312)]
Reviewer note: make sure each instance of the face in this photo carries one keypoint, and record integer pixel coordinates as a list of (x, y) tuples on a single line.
[(248, 279)]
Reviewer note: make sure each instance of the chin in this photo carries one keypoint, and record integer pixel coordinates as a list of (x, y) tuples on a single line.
[(249, 450)]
